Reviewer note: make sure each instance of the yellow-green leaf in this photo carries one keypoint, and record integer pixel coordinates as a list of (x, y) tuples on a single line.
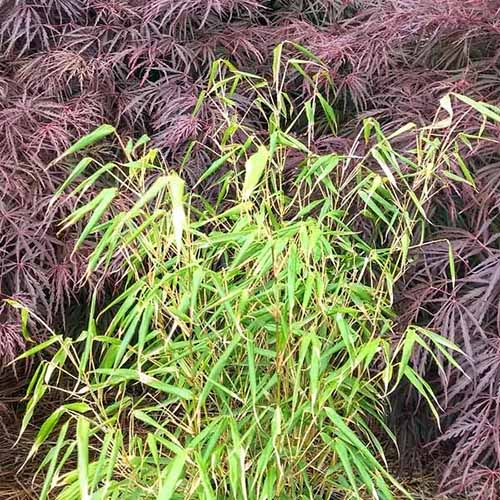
[(254, 168)]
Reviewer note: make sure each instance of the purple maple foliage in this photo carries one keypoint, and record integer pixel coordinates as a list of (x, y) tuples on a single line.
[(67, 66)]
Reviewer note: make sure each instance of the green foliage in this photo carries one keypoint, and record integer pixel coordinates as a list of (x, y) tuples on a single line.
[(253, 347)]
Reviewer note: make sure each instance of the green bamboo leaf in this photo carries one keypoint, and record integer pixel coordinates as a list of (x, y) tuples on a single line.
[(90, 180), (485, 109), (292, 271), (39, 347), (424, 390), (45, 430), (347, 334), (341, 450), (408, 344), (277, 52), (156, 188), (105, 198), (383, 164), (451, 262), (217, 368), (254, 168), (101, 463), (367, 198), (78, 170), (55, 451), (180, 392), (176, 190), (49, 424), (95, 136), (172, 475), (216, 165), (330, 114), (82, 433)]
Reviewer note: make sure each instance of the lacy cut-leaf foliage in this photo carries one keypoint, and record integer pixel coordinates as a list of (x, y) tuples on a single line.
[(66, 66)]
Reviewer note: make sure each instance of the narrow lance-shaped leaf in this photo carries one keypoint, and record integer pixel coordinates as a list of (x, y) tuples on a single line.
[(172, 475), (105, 198), (97, 135), (78, 170), (176, 190), (82, 432), (254, 168)]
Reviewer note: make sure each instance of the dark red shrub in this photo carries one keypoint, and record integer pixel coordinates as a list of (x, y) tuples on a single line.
[(67, 66)]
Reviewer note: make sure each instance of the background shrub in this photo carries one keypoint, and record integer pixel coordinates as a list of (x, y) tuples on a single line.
[(67, 66)]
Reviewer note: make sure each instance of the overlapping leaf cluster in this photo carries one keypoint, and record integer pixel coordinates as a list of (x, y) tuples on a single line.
[(253, 348), (67, 66)]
